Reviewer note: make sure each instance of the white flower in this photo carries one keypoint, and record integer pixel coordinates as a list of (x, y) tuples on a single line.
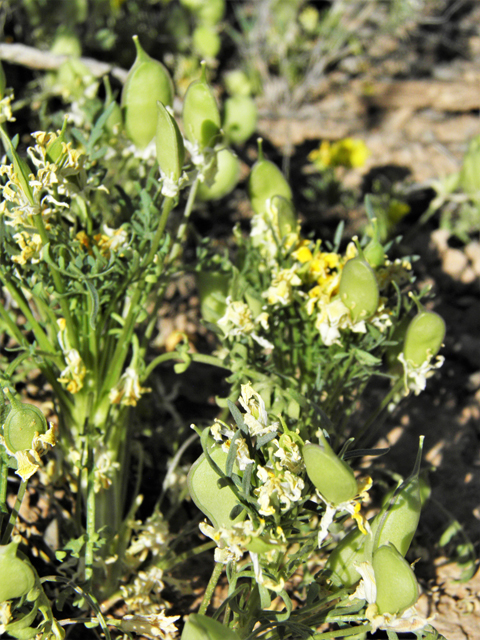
[(415, 378)]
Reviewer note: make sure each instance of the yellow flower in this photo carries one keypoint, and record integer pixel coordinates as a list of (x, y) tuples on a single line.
[(349, 152)]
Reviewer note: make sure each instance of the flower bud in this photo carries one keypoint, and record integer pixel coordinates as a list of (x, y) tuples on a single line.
[(169, 144), (226, 177), (359, 289), (148, 81), (216, 503), (212, 290), (333, 477), (396, 585), (54, 150), (266, 181), (200, 627), (17, 576), (239, 118), (201, 117), (23, 422), (424, 337)]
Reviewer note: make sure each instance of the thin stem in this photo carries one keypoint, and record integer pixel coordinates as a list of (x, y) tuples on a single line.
[(212, 583), (3, 491), (22, 303), (13, 516), (195, 357), (385, 402), (343, 633)]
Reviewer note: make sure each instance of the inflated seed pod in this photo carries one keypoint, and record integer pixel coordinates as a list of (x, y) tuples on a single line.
[(201, 117), (216, 503), (201, 627), (23, 422), (237, 83), (424, 337), (226, 178), (332, 477), (359, 289), (148, 81), (206, 41), (211, 11), (17, 576), (374, 253), (398, 520), (397, 587), (212, 290), (169, 145), (239, 118), (341, 562), (266, 181)]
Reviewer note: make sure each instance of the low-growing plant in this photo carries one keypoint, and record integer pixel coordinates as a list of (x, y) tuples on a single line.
[(93, 223)]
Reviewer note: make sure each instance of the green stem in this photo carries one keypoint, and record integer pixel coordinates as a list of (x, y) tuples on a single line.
[(124, 339), (23, 305), (3, 491), (343, 633), (374, 416), (212, 583), (59, 286), (13, 516), (90, 524), (195, 357), (182, 229)]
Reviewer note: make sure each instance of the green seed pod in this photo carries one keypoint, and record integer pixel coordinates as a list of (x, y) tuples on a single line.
[(266, 181), (424, 337), (206, 41), (148, 82), (333, 477), (239, 118), (200, 627), (237, 83), (17, 576), (23, 421), (226, 178), (201, 117), (397, 587), (211, 11), (398, 520), (212, 290), (359, 289), (169, 144), (202, 481), (348, 552)]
